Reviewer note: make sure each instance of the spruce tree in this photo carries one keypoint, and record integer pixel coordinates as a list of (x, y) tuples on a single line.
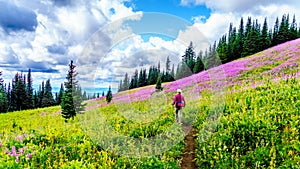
[(158, 83), (48, 99), (29, 91), (199, 64), (265, 40), (3, 97), (189, 57), (109, 95), (275, 38), (60, 94), (20, 92), (125, 85), (71, 101)]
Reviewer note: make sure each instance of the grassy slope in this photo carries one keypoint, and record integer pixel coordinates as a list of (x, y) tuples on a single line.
[(51, 142)]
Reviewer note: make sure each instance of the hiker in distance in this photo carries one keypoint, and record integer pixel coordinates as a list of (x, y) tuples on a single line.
[(179, 103)]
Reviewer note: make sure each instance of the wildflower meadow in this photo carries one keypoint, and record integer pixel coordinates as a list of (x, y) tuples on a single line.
[(246, 114)]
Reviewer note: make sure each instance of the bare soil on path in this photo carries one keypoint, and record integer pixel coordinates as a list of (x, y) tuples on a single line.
[(189, 154)]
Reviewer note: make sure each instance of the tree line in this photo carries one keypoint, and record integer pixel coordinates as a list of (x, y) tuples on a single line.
[(20, 95), (250, 39), (237, 43)]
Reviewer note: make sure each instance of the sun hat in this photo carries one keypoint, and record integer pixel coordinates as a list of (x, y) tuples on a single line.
[(179, 90)]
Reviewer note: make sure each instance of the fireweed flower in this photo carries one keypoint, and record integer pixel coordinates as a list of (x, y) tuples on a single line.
[(29, 156)]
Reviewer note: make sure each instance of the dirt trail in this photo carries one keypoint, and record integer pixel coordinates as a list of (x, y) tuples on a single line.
[(189, 155)]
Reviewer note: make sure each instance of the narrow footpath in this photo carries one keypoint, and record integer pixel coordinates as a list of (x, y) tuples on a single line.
[(189, 154)]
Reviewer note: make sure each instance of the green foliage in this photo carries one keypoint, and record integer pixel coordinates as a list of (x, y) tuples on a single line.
[(109, 95), (72, 99), (47, 96), (158, 83), (259, 128)]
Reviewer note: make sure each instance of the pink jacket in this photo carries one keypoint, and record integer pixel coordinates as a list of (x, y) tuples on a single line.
[(178, 99)]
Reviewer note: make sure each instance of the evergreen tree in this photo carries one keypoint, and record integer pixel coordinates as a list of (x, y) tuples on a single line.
[(293, 34), (78, 99), (283, 33), (85, 97), (3, 96), (120, 87), (145, 82), (109, 95), (189, 57), (238, 44), (29, 91), (168, 69), (41, 94), (103, 94), (8, 92), (158, 83), (199, 64), (35, 100), (20, 92), (222, 50), (71, 102), (60, 94), (141, 79), (173, 73), (48, 99), (275, 38), (125, 85), (265, 40)]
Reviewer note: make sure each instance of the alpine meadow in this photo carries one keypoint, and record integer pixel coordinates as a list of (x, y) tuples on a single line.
[(242, 110)]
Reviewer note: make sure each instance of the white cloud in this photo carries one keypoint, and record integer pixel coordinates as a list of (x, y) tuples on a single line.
[(64, 26), (225, 12)]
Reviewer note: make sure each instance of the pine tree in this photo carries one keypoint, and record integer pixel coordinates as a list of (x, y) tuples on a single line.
[(141, 79), (199, 64), (265, 40), (158, 83), (293, 34), (109, 95), (125, 85), (48, 99), (29, 91), (275, 38), (283, 33), (222, 50), (3, 96), (71, 102), (78, 99), (173, 73), (189, 57), (8, 93), (135, 79), (20, 92), (35, 100), (41, 94), (120, 87), (238, 45), (60, 94), (168, 69)]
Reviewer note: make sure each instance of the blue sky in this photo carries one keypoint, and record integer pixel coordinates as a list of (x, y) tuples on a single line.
[(110, 37), (172, 7)]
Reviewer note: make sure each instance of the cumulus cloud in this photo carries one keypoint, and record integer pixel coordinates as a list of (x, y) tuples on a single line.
[(14, 18), (46, 35), (225, 12)]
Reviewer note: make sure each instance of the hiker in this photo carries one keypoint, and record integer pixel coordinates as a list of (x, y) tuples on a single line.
[(179, 103)]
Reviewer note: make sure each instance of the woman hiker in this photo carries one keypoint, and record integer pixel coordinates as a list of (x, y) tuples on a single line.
[(179, 103)]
